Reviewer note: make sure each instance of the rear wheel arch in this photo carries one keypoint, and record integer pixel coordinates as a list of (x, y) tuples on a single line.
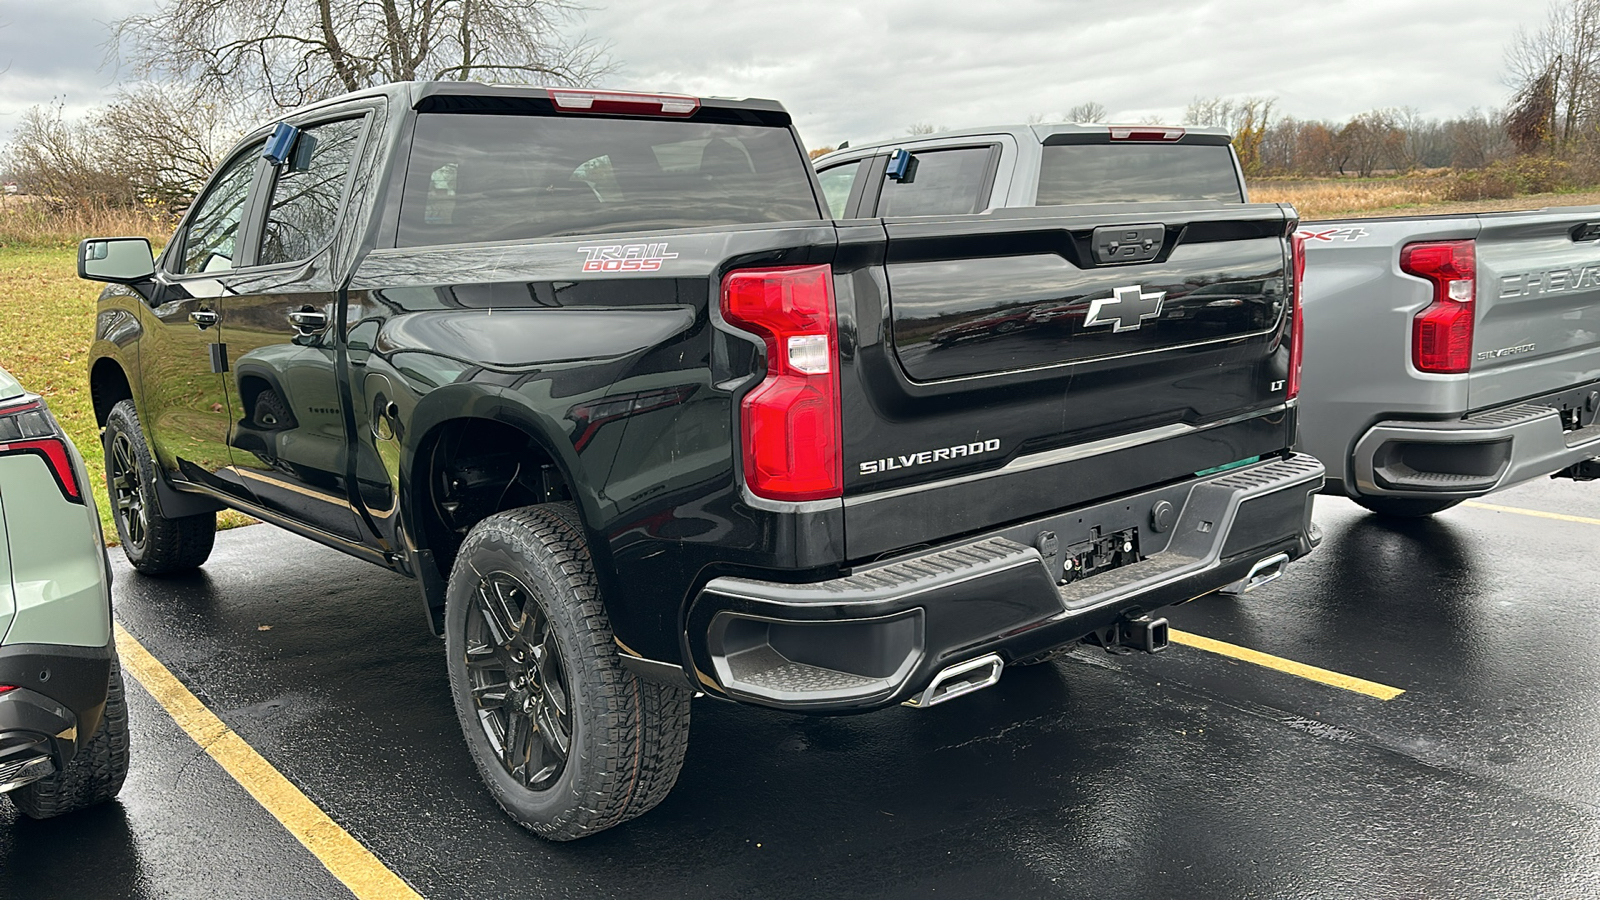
[(108, 386), (472, 465)]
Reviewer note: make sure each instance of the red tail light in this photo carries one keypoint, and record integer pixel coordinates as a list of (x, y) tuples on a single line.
[(1441, 335), (1297, 328), (29, 428), (790, 422), (7, 687)]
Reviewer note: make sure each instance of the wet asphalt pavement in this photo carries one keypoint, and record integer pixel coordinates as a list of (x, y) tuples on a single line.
[(1183, 774)]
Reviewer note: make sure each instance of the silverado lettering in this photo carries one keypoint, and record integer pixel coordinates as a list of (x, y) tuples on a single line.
[(874, 466)]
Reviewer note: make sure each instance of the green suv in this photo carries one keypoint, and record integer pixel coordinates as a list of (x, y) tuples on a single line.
[(63, 723)]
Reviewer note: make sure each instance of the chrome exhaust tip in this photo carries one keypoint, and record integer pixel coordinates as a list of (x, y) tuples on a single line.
[(1263, 572), (959, 680)]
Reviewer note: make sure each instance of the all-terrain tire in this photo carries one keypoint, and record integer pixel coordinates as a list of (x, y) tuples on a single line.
[(628, 736), (153, 543), (1406, 507), (95, 773)]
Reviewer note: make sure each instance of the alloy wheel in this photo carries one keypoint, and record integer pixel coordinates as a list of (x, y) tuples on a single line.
[(127, 490), (518, 681)]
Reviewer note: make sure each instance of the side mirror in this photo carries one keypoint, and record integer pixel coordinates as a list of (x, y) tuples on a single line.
[(122, 260)]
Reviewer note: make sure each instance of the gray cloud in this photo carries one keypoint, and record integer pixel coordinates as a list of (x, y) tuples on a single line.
[(852, 70)]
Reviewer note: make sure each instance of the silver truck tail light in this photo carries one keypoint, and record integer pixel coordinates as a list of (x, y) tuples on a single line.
[(28, 427), (790, 422), (1441, 335)]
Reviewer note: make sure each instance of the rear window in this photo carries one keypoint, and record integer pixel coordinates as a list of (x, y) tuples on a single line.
[(1136, 173), (502, 177)]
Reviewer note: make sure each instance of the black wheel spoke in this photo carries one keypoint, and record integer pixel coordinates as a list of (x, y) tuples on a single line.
[(501, 621), (518, 742)]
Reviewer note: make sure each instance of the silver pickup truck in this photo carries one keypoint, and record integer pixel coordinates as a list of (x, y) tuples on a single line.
[(1445, 357), (1448, 357)]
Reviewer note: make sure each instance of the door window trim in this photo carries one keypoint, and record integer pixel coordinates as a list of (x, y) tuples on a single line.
[(269, 182)]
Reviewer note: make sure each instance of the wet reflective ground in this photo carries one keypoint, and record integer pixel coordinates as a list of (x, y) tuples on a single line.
[(1183, 774)]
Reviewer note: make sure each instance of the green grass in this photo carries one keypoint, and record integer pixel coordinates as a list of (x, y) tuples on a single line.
[(46, 323)]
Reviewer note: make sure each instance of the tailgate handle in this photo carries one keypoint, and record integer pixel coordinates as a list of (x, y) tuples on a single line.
[(1587, 231), (1116, 244)]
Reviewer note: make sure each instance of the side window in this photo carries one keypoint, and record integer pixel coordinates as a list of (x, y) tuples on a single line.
[(836, 184), (308, 192), (946, 183), (208, 245)]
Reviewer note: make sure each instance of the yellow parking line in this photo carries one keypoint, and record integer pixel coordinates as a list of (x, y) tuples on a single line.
[(1311, 673), (343, 855), (1537, 513)]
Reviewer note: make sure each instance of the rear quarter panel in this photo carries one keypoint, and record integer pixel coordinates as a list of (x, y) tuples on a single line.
[(1358, 308)]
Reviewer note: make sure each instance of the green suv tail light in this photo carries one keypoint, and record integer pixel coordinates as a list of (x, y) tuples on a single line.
[(28, 427)]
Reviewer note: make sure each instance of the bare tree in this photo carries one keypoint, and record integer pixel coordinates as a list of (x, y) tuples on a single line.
[(170, 138), (917, 129), (64, 162), (1086, 112), (152, 143), (295, 51), (1477, 139), (1369, 142), (1247, 120), (1555, 72)]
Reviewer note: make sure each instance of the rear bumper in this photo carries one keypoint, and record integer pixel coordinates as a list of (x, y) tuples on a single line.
[(1468, 457), (880, 635), (58, 700)]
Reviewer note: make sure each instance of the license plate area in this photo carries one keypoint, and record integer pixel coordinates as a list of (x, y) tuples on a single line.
[(1101, 553)]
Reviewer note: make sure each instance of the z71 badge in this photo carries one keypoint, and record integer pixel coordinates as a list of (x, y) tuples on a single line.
[(625, 257)]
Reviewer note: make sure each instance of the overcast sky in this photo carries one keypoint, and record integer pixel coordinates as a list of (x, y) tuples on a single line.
[(849, 69)]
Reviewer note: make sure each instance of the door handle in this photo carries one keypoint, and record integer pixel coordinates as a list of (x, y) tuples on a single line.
[(308, 321), (204, 318)]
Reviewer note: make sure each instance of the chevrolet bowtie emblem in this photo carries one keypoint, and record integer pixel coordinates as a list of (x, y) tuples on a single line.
[(1126, 308)]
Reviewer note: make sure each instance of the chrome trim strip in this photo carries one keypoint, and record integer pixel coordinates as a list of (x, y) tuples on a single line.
[(1067, 454)]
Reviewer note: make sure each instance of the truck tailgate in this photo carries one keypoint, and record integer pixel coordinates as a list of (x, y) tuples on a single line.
[(1016, 374), (1538, 318)]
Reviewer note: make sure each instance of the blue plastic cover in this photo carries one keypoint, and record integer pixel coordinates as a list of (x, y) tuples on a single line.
[(280, 144), (900, 165)]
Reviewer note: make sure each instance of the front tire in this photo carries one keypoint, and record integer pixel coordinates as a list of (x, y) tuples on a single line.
[(155, 544), (568, 741), (96, 771), (1405, 507)]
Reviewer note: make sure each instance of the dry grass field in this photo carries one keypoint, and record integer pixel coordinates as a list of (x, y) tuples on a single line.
[(46, 323), (1336, 198)]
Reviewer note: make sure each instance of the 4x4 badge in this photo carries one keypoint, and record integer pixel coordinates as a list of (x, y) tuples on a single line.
[(1128, 307)]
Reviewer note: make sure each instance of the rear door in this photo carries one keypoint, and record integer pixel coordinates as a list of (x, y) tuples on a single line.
[(1538, 320), (1018, 342)]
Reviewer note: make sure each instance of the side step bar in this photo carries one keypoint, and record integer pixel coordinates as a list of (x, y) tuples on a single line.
[(959, 680)]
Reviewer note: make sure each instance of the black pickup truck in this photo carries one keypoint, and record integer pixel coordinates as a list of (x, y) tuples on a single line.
[(601, 374)]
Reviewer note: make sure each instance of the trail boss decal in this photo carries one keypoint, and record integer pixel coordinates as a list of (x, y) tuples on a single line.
[(976, 448), (625, 257)]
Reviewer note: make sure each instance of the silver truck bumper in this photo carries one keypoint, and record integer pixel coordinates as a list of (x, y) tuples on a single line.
[(1468, 457)]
